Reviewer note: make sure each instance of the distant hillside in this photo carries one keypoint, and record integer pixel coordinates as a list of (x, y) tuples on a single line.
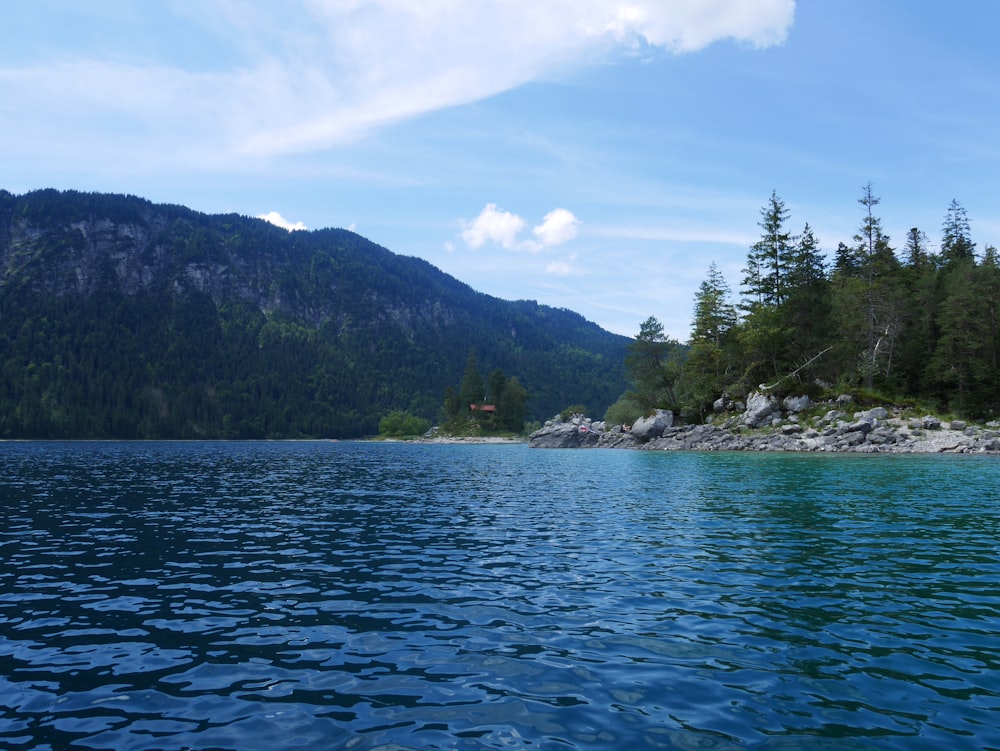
[(121, 318)]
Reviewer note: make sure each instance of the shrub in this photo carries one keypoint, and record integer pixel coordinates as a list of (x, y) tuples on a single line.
[(398, 424)]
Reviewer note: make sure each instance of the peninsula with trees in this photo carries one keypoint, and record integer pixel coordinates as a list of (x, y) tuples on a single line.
[(860, 352)]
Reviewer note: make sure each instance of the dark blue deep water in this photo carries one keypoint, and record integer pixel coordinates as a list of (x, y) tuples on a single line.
[(393, 596)]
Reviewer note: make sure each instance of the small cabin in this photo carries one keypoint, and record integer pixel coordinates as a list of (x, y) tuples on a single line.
[(482, 408)]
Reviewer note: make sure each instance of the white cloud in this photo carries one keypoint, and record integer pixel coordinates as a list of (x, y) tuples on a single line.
[(279, 221), (502, 228), (558, 226), (493, 225), (380, 61), (559, 268), (317, 73)]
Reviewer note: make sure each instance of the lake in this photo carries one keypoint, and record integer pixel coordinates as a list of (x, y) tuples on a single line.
[(323, 595)]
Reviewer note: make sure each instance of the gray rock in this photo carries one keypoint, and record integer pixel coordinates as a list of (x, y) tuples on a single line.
[(760, 409), (723, 404), (958, 425), (647, 428), (930, 422), (616, 439), (796, 403), (859, 426), (564, 435), (832, 416), (852, 439), (873, 415)]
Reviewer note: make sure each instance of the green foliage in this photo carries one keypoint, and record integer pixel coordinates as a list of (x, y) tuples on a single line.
[(401, 424), (916, 329), (623, 412), (653, 364)]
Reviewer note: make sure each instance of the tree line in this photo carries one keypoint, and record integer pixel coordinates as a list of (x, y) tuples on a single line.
[(496, 404), (894, 323)]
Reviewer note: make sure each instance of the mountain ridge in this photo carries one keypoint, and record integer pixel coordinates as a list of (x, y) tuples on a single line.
[(124, 318)]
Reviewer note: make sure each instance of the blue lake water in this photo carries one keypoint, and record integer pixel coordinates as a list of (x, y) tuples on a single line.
[(396, 596)]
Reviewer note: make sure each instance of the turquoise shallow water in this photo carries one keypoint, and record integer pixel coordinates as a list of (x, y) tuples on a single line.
[(394, 596)]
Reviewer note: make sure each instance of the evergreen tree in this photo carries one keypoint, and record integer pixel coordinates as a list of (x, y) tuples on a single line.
[(764, 334), (916, 251), (956, 241), (846, 261), (878, 265), (961, 366), (497, 383), (769, 259), (714, 313), (807, 306), (472, 390), (989, 287), (708, 363), (452, 407), (652, 366), (512, 406), (919, 311)]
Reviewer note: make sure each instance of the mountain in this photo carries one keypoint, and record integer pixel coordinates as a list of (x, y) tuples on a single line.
[(124, 319)]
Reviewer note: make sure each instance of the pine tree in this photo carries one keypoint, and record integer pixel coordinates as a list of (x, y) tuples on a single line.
[(960, 366), (919, 311), (764, 334), (714, 314), (512, 406), (846, 261), (956, 241), (878, 265), (916, 251), (807, 306), (769, 259), (652, 366), (709, 357), (990, 294), (472, 389)]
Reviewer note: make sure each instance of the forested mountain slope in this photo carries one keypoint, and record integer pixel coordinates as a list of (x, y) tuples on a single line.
[(121, 318)]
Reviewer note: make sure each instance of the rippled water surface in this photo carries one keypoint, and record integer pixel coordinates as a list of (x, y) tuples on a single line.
[(394, 596)]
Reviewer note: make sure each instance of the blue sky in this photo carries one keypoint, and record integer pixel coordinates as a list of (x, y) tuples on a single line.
[(596, 156)]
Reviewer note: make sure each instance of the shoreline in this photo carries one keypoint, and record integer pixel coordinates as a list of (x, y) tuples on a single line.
[(450, 440), (873, 431)]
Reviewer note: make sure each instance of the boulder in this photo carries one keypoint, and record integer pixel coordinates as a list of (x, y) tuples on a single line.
[(872, 416), (796, 403), (760, 409), (930, 422), (646, 428), (831, 417), (859, 426), (723, 404), (564, 435)]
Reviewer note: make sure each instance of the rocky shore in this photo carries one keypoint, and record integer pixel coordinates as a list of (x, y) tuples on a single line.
[(795, 424)]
